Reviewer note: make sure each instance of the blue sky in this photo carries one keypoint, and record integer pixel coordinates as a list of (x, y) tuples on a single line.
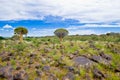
[(43, 17)]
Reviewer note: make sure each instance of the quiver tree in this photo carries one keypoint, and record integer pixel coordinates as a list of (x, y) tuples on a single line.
[(61, 33), (20, 31)]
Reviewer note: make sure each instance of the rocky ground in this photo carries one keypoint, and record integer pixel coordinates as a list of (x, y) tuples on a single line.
[(70, 60)]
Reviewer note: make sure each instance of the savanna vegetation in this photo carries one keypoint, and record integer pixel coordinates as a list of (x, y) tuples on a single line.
[(60, 57)]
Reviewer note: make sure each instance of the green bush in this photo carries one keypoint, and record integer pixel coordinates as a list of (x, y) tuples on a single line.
[(20, 47)]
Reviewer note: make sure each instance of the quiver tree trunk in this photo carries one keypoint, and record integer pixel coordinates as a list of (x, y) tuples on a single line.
[(21, 37), (61, 39)]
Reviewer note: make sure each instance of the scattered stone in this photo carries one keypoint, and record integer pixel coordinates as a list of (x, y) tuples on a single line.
[(115, 50), (37, 79), (46, 50), (76, 52), (77, 72), (81, 47), (69, 76), (31, 61), (1, 66), (43, 60), (71, 69), (60, 63), (18, 68), (92, 46), (117, 69), (98, 74), (52, 77), (87, 68), (5, 56), (71, 56), (21, 75), (2, 54), (71, 43), (87, 77), (46, 68), (46, 43), (39, 73), (6, 72), (37, 66), (32, 55), (62, 46)]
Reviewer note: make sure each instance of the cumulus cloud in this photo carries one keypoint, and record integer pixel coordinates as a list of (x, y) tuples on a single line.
[(85, 11), (7, 26)]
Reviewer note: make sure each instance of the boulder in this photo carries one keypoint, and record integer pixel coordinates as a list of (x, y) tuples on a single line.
[(82, 61), (96, 58), (106, 56), (99, 59)]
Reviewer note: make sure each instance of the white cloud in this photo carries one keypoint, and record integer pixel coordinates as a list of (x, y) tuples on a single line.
[(7, 26), (33, 28), (93, 25), (81, 32), (7, 30), (2, 29), (86, 11)]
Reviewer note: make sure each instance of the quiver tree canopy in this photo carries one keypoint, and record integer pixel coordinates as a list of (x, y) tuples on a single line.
[(21, 31), (61, 33)]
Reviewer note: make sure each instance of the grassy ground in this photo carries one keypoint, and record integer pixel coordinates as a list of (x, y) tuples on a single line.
[(49, 52)]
